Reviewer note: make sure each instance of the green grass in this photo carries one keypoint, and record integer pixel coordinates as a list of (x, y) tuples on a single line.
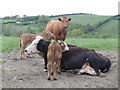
[(8, 20), (109, 29), (86, 19), (94, 43), (10, 43)]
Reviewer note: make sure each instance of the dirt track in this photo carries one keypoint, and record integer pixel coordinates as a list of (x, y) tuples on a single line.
[(29, 73)]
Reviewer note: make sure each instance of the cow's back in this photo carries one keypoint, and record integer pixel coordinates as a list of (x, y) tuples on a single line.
[(54, 50), (74, 58), (27, 38)]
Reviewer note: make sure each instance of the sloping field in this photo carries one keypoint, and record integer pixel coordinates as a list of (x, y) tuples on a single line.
[(109, 29), (86, 19)]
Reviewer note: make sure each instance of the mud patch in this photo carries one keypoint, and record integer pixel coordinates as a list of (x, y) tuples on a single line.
[(17, 73)]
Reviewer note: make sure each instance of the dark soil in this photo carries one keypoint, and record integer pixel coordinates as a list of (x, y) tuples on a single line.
[(17, 73)]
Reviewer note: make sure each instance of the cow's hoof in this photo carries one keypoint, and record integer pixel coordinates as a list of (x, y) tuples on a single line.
[(30, 56), (102, 75), (49, 79), (58, 72), (55, 79), (22, 58)]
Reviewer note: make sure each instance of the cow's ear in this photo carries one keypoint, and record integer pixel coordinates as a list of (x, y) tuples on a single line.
[(69, 19), (59, 19)]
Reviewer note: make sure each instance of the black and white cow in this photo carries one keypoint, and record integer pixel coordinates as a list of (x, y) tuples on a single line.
[(74, 58)]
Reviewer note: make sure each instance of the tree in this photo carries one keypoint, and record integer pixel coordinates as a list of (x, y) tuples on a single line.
[(43, 19)]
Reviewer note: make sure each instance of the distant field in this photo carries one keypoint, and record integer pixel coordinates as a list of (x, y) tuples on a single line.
[(10, 43), (109, 29), (86, 19), (8, 20)]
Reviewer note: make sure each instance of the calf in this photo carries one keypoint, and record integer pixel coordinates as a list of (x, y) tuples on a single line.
[(58, 28), (43, 47), (54, 56), (76, 57), (27, 38)]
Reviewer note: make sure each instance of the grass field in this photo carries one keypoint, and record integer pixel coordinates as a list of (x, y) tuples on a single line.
[(86, 19), (10, 43), (94, 43), (109, 29)]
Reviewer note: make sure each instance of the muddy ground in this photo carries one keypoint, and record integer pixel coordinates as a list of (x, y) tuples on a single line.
[(17, 73)]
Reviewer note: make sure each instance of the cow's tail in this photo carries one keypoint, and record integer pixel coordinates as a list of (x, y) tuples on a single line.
[(20, 42), (54, 51)]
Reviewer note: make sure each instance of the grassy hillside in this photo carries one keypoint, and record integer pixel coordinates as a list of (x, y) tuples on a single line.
[(109, 29), (87, 23), (106, 30), (10, 43), (86, 19)]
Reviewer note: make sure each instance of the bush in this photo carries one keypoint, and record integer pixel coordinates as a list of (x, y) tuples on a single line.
[(75, 32), (16, 30), (107, 36), (87, 36), (43, 19)]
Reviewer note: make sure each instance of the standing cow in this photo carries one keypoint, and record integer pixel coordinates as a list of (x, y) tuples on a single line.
[(54, 56), (58, 28)]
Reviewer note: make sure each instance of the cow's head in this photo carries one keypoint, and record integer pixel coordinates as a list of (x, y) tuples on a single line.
[(31, 49), (40, 45), (64, 46), (65, 21), (48, 35)]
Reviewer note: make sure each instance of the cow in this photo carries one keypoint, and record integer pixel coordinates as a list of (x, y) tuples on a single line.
[(54, 55), (76, 57), (27, 38), (58, 28)]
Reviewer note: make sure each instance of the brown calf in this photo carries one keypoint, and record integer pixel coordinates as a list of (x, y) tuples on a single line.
[(54, 56), (58, 28), (27, 38)]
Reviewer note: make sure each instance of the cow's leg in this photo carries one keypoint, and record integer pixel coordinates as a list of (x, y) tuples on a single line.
[(49, 70), (20, 52), (54, 70), (22, 55), (59, 67), (94, 66), (87, 69), (45, 61)]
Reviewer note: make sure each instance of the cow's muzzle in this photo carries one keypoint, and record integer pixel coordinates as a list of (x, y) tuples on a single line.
[(66, 26)]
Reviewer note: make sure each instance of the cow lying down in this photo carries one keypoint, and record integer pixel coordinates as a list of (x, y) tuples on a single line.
[(74, 58)]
